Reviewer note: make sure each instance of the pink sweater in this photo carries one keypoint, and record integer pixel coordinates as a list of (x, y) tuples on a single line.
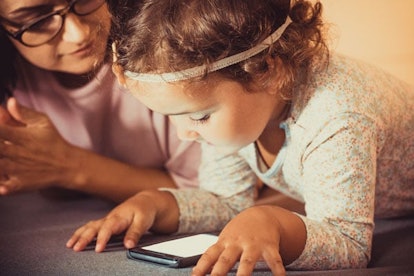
[(105, 118)]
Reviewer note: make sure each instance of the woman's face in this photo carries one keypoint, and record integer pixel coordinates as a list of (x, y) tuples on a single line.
[(76, 49)]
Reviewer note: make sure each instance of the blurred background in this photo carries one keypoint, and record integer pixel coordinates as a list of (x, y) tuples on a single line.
[(380, 32)]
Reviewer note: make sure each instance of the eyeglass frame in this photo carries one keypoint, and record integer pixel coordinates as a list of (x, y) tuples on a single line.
[(62, 13)]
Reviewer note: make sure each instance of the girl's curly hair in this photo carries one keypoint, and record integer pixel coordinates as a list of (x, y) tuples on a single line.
[(166, 36)]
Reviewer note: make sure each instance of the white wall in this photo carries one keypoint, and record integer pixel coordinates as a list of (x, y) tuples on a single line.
[(378, 31)]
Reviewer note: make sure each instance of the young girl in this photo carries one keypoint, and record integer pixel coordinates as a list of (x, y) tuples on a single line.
[(70, 124), (253, 82)]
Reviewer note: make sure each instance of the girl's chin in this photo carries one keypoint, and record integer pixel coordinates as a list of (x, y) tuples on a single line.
[(228, 149)]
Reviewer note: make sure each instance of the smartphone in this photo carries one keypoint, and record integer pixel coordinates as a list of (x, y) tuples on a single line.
[(176, 253)]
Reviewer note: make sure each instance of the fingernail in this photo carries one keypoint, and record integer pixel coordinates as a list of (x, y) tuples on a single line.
[(129, 244), (68, 243), (98, 248)]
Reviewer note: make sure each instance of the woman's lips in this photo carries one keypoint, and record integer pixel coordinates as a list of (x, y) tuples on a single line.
[(84, 51)]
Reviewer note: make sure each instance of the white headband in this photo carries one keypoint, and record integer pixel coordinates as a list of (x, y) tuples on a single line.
[(199, 71)]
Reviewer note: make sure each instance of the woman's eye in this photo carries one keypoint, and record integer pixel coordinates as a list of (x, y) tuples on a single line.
[(200, 119)]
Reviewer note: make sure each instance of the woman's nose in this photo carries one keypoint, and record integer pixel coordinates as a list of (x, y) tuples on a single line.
[(74, 30)]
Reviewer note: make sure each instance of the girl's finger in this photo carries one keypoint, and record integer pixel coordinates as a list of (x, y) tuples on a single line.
[(226, 261), (247, 262), (207, 260), (83, 236), (275, 262), (134, 233), (110, 226)]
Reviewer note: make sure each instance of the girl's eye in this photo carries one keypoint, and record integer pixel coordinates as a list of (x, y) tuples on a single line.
[(201, 119)]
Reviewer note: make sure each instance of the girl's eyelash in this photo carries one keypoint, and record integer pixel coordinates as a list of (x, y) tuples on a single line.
[(202, 120)]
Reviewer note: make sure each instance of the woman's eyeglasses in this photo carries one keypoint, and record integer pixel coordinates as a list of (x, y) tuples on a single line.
[(41, 30)]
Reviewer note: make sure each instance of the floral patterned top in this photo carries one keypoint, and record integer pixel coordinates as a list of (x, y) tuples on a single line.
[(348, 155)]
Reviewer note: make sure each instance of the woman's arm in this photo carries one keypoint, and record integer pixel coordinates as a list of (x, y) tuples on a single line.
[(35, 156)]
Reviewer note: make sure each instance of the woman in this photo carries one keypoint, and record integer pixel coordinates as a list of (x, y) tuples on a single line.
[(67, 122)]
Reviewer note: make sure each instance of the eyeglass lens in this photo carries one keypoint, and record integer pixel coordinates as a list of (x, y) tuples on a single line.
[(42, 31), (47, 28)]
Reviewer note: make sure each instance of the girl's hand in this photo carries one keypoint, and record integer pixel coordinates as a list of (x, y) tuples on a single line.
[(254, 235), (147, 210)]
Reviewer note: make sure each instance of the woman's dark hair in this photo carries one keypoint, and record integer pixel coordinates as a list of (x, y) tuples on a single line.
[(165, 36), (7, 70)]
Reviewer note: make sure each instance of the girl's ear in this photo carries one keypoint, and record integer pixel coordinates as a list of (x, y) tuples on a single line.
[(273, 75), (119, 73), (116, 68), (271, 63), (277, 75)]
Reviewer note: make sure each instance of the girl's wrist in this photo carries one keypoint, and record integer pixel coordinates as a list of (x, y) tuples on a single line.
[(167, 213)]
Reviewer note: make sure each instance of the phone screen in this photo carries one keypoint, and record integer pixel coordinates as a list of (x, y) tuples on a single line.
[(184, 247)]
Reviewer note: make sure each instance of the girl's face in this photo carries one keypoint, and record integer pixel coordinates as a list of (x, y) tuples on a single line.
[(223, 114), (76, 49)]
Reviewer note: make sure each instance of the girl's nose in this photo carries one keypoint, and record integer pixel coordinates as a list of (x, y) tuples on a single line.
[(183, 132), (188, 135), (74, 30)]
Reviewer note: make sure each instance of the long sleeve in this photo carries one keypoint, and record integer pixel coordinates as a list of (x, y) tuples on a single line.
[(226, 188), (350, 158), (340, 198)]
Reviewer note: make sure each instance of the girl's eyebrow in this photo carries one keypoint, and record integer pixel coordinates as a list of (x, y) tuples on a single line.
[(178, 114), (207, 110)]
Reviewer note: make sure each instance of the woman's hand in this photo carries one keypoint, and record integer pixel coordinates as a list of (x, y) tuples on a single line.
[(256, 234), (33, 155), (149, 210)]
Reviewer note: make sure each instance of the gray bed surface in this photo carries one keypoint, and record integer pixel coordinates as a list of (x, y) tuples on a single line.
[(34, 229)]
